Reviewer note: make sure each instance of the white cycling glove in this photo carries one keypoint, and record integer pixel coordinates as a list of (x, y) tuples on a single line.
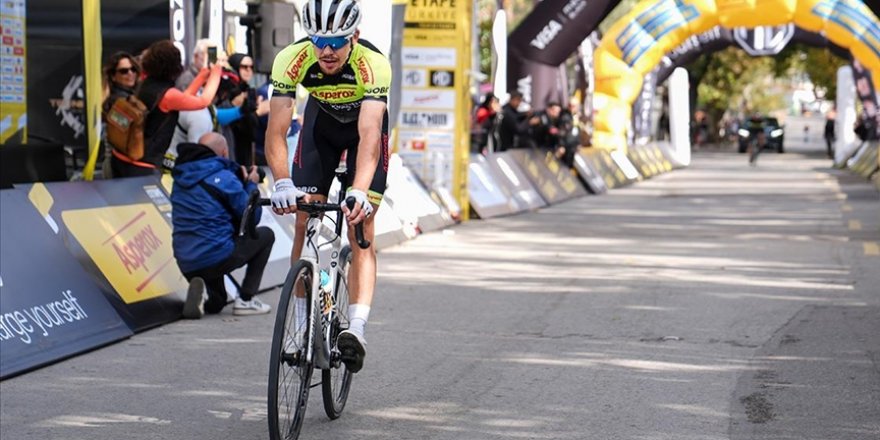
[(361, 198), (285, 194)]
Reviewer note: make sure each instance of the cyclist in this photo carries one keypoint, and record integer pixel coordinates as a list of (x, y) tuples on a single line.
[(348, 81), (757, 146)]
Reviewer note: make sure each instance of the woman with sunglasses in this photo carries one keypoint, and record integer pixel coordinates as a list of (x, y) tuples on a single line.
[(348, 81), (121, 74), (244, 129), (120, 77)]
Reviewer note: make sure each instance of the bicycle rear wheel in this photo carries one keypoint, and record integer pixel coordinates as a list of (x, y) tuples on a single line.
[(290, 371), (336, 381)]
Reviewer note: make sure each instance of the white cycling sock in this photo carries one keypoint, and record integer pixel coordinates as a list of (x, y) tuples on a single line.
[(300, 312), (358, 314)]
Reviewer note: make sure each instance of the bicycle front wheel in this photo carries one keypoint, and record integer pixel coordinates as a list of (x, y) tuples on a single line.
[(290, 370), (336, 381)]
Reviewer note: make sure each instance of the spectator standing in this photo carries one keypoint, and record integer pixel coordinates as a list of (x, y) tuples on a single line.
[(208, 199), (829, 132), (161, 62), (514, 124), (199, 61), (486, 119), (244, 129), (121, 74)]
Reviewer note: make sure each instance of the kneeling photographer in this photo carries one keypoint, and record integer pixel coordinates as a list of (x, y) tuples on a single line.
[(208, 200)]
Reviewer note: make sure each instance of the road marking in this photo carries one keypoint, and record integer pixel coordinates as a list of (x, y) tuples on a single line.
[(855, 225), (846, 208), (871, 248)]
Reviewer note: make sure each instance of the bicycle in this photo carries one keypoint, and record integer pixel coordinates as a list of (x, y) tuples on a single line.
[(296, 352)]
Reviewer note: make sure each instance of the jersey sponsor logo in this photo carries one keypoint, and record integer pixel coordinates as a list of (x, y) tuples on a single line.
[(364, 70), (296, 65), (328, 95), (308, 189), (283, 86), (376, 91)]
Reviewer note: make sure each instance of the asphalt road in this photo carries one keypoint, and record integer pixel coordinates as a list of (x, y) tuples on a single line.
[(720, 301)]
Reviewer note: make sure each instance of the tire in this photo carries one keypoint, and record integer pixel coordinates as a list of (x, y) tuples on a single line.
[(289, 372), (336, 381)]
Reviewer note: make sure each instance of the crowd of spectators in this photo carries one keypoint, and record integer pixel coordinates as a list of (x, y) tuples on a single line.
[(200, 123), (184, 103), (501, 128)]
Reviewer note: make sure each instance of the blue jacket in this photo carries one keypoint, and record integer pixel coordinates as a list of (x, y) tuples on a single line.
[(204, 229)]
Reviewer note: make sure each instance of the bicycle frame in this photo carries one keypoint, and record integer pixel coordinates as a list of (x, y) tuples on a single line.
[(319, 350)]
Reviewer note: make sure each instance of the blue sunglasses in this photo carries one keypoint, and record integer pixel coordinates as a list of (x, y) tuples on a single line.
[(335, 43)]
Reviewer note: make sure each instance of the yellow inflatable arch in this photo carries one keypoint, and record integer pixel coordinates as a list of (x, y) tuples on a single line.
[(638, 41)]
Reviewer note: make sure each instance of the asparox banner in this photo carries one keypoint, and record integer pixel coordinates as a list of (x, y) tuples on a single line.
[(50, 308), (120, 232), (636, 44)]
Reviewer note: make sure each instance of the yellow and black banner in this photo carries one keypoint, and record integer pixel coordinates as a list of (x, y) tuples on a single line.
[(50, 308), (121, 233)]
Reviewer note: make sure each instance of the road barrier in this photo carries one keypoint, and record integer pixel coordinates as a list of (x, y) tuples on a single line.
[(865, 161), (120, 231), (615, 169), (50, 308), (550, 177), (488, 197)]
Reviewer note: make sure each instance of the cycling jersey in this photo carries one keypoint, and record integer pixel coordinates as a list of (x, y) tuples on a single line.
[(366, 75)]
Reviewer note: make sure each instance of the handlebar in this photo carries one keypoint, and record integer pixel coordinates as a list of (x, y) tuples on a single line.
[(312, 208), (359, 228)]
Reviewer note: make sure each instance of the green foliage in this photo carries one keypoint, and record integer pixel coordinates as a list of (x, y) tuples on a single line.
[(732, 80)]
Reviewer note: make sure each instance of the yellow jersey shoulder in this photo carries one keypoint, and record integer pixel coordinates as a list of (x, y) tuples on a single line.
[(372, 70), (290, 66)]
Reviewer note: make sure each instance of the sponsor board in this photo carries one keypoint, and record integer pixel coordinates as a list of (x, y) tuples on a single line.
[(415, 78), (442, 78), (436, 54), (427, 119), (427, 98), (132, 248), (429, 57), (435, 140)]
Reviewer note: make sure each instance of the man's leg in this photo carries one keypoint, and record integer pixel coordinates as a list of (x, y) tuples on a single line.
[(361, 283), (362, 275), (214, 285), (255, 254), (217, 296)]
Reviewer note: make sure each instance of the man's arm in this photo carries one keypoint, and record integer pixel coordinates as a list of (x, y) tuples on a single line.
[(370, 131), (280, 115), (284, 198)]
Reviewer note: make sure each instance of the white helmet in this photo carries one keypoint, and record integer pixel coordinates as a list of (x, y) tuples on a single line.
[(331, 18)]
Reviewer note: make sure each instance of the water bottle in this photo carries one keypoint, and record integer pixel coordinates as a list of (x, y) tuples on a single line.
[(325, 280)]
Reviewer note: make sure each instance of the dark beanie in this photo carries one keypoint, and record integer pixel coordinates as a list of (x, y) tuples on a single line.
[(235, 61)]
